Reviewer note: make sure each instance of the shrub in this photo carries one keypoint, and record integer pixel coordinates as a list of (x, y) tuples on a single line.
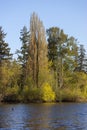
[(69, 95), (11, 94), (31, 94), (47, 94)]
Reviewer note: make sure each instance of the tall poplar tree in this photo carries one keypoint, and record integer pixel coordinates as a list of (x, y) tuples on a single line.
[(37, 49)]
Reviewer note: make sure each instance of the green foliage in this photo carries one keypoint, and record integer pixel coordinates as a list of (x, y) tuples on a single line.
[(76, 80), (31, 94), (70, 95), (75, 87), (14, 73), (82, 64), (11, 94), (47, 93), (5, 58), (10, 73), (46, 75), (23, 52), (4, 48), (29, 81), (62, 51), (13, 90)]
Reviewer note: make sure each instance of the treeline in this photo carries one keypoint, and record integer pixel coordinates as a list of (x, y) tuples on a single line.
[(51, 66)]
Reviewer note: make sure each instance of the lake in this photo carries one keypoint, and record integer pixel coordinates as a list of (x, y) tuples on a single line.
[(46, 116)]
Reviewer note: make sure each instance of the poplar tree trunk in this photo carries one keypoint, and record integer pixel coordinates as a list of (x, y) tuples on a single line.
[(37, 65)]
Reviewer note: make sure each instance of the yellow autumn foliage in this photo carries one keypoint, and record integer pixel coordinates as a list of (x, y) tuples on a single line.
[(47, 93)]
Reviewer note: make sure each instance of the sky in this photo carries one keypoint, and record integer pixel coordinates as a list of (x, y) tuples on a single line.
[(69, 15)]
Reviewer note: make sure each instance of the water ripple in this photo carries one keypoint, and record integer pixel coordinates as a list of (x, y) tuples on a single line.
[(66, 116)]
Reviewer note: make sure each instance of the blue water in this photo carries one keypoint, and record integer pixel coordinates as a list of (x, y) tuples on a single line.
[(60, 116)]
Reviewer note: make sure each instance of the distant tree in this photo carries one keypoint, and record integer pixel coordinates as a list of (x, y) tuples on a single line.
[(23, 53), (4, 49), (82, 60), (10, 76), (72, 54), (5, 54), (15, 72), (52, 38), (62, 51), (56, 51)]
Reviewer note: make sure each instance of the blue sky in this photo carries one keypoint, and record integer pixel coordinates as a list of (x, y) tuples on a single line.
[(70, 15)]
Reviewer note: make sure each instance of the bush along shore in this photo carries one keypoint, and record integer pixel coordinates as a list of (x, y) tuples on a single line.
[(43, 94)]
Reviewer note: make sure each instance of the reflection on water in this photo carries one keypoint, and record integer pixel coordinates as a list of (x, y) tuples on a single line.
[(64, 116)]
